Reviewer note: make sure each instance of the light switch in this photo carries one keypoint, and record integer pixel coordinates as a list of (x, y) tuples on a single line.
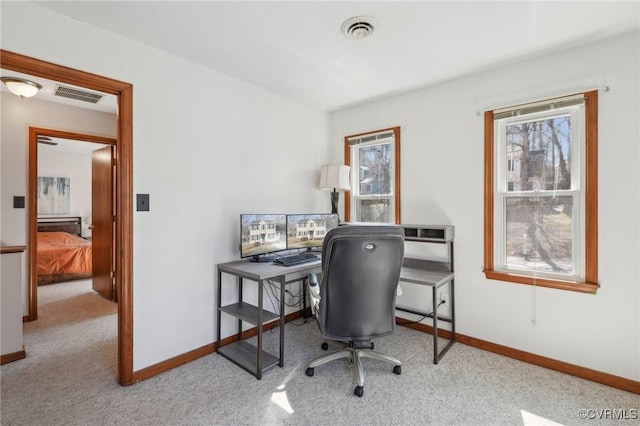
[(18, 202), (142, 202)]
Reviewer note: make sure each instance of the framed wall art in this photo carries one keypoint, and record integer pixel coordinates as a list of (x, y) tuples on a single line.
[(54, 195)]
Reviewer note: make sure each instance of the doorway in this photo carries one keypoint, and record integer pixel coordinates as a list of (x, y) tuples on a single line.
[(123, 190), (101, 207)]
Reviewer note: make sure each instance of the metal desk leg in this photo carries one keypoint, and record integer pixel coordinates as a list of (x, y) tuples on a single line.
[(453, 313), (452, 339), (259, 355), (239, 325), (281, 321), (219, 313), (434, 301)]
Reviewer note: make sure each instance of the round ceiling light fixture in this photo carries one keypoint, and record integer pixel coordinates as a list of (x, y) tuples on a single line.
[(21, 87), (358, 27)]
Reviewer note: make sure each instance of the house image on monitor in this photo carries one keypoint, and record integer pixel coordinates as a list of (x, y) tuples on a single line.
[(310, 229), (263, 232)]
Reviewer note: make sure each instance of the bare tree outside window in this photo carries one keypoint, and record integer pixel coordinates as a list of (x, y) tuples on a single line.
[(539, 229)]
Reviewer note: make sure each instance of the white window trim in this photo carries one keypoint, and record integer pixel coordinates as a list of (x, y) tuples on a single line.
[(355, 175), (577, 192)]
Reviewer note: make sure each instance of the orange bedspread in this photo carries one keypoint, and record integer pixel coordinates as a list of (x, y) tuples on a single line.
[(63, 253)]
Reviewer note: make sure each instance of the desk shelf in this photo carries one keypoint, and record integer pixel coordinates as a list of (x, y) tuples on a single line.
[(425, 272), (248, 313), (245, 355)]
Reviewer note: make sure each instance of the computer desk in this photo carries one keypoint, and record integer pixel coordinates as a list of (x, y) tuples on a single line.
[(255, 359)]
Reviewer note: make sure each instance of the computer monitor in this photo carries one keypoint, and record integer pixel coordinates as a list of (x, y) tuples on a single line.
[(308, 230), (261, 234)]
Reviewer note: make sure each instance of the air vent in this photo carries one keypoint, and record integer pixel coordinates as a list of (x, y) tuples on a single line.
[(358, 27), (77, 94)]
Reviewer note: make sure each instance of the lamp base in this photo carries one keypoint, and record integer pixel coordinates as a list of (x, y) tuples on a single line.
[(335, 196)]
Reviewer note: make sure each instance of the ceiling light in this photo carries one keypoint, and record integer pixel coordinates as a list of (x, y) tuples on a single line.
[(21, 87), (46, 140), (358, 27)]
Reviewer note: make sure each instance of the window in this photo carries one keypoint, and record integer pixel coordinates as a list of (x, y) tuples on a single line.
[(541, 193), (374, 158)]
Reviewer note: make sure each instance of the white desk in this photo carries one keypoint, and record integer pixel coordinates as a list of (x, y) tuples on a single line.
[(254, 359)]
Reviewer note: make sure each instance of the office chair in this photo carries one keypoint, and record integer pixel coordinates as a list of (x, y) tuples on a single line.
[(355, 301)]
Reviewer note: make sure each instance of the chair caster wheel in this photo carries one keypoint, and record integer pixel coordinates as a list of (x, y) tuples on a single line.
[(309, 372), (359, 390), (397, 369), (325, 346)]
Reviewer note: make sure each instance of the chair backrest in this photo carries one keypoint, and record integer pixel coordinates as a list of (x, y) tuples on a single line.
[(360, 271)]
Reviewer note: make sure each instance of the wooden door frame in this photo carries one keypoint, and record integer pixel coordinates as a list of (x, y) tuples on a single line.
[(34, 132), (123, 190)]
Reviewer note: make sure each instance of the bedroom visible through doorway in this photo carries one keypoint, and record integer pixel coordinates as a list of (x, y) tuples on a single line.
[(65, 247)]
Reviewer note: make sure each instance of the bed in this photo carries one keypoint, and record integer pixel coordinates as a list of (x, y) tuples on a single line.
[(63, 255)]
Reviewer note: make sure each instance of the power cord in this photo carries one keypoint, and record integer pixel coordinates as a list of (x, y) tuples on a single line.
[(429, 315), (274, 287), (272, 290)]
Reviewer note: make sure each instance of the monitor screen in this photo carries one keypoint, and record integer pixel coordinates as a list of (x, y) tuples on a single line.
[(308, 230), (261, 234)]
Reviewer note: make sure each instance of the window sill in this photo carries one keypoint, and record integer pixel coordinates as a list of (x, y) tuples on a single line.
[(581, 287)]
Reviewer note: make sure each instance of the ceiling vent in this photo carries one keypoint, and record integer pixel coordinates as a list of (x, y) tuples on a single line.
[(358, 27), (77, 94)]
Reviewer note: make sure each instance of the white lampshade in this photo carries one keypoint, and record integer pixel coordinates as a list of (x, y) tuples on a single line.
[(334, 177), (21, 87)]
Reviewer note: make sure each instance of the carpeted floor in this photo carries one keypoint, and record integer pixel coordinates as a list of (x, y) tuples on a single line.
[(69, 378)]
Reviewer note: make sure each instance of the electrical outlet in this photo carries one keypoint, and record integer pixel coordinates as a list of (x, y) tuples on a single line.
[(444, 297)]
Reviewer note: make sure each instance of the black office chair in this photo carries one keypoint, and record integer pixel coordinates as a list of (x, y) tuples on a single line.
[(355, 302)]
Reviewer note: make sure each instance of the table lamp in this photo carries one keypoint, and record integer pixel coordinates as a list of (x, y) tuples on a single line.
[(334, 177)]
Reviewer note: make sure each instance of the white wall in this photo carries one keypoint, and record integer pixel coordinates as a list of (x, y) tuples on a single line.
[(204, 157), (442, 183)]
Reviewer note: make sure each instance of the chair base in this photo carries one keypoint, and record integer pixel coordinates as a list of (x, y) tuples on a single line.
[(355, 357)]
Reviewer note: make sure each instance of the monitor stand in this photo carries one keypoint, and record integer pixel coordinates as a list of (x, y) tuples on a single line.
[(261, 259)]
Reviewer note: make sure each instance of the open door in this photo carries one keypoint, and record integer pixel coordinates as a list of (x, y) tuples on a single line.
[(102, 222)]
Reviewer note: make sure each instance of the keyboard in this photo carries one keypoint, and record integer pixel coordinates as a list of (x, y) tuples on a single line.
[(295, 259)]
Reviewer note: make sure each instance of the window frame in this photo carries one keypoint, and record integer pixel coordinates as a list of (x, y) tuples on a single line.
[(349, 198), (589, 185)]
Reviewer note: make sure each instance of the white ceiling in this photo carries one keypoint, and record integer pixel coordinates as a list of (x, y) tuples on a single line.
[(295, 48)]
